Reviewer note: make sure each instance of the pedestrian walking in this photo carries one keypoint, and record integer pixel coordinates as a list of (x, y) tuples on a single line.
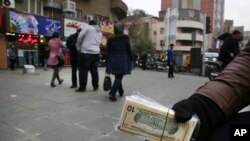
[(144, 59), (44, 53), (119, 59), (12, 57), (230, 48), (88, 43), (71, 45), (171, 61), (45, 59), (55, 45)]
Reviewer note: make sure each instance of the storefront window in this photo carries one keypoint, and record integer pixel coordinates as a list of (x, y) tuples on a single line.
[(27, 57)]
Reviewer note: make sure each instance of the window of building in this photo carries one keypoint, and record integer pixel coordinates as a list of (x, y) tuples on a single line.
[(187, 30), (31, 6), (25, 5), (155, 32), (78, 13), (186, 43), (162, 43), (39, 7), (99, 18), (162, 31)]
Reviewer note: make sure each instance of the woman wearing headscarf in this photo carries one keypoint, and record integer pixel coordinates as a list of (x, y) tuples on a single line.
[(55, 45), (119, 59)]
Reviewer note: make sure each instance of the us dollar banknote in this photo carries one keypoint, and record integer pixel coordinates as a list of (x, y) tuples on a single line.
[(145, 117)]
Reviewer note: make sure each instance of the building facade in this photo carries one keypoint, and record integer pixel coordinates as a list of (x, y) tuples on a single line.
[(29, 23), (150, 27), (246, 38), (214, 9), (157, 35), (185, 28)]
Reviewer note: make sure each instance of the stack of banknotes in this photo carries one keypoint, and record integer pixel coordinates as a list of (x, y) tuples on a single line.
[(146, 117)]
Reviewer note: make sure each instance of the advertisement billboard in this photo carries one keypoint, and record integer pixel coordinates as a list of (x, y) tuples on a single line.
[(107, 26), (32, 24), (70, 26)]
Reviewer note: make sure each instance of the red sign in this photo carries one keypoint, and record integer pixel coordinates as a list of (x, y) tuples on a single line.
[(29, 39)]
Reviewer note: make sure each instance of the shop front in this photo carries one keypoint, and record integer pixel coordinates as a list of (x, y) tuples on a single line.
[(70, 27), (30, 34), (107, 29)]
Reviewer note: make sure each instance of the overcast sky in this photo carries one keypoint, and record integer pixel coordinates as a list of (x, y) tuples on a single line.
[(236, 10)]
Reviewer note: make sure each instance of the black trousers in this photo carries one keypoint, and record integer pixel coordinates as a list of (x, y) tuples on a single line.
[(117, 85), (88, 62), (12, 64), (171, 70), (55, 75), (74, 67)]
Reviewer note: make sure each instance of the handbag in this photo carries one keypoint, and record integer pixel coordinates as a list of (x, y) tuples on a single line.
[(60, 59), (107, 83)]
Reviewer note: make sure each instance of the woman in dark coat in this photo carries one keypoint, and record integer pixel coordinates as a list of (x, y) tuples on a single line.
[(119, 59)]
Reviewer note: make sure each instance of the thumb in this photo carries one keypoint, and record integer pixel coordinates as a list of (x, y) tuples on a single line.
[(183, 110)]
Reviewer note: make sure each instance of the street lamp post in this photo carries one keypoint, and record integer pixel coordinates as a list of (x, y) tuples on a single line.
[(204, 45)]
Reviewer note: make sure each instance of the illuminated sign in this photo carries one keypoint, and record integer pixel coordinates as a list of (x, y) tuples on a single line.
[(107, 26), (29, 39), (70, 26)]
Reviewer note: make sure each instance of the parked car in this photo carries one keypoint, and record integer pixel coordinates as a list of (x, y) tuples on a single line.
[(211, 56)]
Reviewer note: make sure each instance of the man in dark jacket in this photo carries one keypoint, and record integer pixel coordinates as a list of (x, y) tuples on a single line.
[(230, 48), (144, 59), (71, 44), (12, 56), (218, 102)]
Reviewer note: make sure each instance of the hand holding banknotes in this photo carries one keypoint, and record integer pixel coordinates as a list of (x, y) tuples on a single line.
[(217, 103)]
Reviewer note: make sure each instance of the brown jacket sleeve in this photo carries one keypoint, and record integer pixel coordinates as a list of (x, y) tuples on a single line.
[(231, 89)]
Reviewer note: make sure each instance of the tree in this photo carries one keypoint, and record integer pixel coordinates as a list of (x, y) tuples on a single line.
[(139, 39)]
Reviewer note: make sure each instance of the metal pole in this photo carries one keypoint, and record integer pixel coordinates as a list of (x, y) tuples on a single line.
[(167, 15), (204, 45)]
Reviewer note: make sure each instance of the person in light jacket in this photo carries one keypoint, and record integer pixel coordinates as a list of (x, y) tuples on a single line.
[(119, 59), (218, 103), (88, 44), (55, 44)]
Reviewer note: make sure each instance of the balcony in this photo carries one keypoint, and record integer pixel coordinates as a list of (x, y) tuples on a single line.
[(190, 24), (188, 37), (119, 8), (52, 5), (182, 48)]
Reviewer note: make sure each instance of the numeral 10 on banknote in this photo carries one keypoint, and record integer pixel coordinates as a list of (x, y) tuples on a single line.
[(130, 108)]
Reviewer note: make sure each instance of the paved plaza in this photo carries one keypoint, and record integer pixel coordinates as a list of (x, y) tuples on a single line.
[(30, 110)]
